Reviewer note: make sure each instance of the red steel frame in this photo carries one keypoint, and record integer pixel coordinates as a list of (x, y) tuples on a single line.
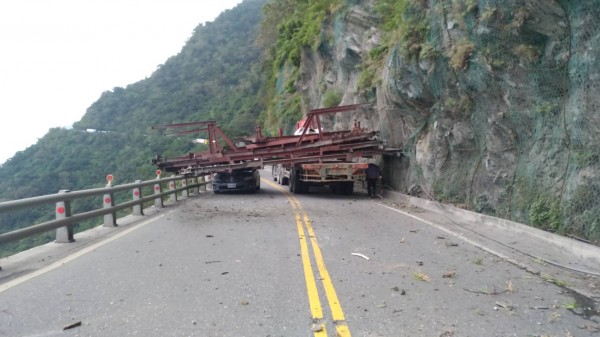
[(313, 147)]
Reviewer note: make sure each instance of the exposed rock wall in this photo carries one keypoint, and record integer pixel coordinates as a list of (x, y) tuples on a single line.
[(336, 64), (500, 114)]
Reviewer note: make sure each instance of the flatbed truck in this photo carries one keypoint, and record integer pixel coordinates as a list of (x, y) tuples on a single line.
[(340, 177)]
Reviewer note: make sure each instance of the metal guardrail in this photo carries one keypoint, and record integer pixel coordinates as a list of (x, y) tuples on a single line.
[(65, 220)]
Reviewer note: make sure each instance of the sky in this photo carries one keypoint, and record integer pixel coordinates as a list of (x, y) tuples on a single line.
[(57, 57)]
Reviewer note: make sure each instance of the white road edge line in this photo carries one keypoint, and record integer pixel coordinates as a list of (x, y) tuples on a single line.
[(67, 259), (462, 237)]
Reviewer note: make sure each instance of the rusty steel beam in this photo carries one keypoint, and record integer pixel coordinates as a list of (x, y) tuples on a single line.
[(314, 116), (339, 145)]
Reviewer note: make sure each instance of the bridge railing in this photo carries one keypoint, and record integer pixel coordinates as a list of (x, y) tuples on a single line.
[(64, 220)]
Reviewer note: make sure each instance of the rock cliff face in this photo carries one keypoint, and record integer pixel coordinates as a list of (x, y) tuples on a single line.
[(496, 107)]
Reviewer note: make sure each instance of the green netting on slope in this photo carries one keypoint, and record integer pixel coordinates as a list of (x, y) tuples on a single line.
[(581, 196), (513, 128)]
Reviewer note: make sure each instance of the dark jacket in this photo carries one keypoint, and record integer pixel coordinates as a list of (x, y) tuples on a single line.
[(372, 171)]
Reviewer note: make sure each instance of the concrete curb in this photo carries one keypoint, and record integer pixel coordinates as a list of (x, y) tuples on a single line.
[(581, 250)]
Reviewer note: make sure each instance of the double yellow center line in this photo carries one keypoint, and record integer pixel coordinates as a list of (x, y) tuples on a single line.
[(303, 222)]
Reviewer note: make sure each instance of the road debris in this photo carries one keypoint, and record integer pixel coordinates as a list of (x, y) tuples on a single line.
[(485, 292), (449, 274), (421, 276), (504, 305), (402, 291), (317, 327), (361, 255), (71, 326)]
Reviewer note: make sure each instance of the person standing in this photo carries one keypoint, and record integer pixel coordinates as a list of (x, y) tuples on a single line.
[(373, 173)]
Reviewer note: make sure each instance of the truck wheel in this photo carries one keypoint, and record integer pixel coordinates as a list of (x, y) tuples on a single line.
[(296, 185), (300, 188), (349, 188)]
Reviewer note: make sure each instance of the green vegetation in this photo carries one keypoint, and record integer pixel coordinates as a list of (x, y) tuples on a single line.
[(391, 12), (460, 53), (582, 213), (545, 213), (298, 26), (332, 98), (527, 53), (482, 205), (215, 77), (460, 107), (587, 158), (519, 18), (414, 30), (288, 28), (403, 23), (370, 66), (555, 281), (571, 306), (429, 51), (488, 14)]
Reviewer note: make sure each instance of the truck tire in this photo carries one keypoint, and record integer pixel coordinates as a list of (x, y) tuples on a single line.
[(340, 188), (349, 188), (296, 185)]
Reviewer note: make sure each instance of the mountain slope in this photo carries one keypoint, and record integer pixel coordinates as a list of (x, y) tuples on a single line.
[(494, 102), (216, 76)]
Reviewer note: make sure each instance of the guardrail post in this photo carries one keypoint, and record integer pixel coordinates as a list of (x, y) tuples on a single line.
[(158, 201), (173, 195), (110, 220), (63, 210), (186, 192), (137, 195)]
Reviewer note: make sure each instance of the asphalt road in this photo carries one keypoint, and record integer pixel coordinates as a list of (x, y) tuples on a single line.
[(277, 264)]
